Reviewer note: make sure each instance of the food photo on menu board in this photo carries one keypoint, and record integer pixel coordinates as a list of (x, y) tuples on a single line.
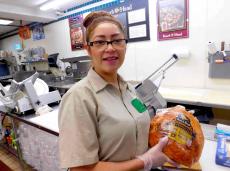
[(76, 35), (172, 19), (76, 32), (134, 16), (38, 32)]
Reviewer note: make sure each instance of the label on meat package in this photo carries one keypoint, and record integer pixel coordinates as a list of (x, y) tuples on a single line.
[(182, 131)]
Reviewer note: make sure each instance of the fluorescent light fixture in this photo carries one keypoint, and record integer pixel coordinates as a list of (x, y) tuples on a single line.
[(55, 4), (5, 21)]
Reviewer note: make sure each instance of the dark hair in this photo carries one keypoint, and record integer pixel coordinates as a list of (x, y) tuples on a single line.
[(92, 20)]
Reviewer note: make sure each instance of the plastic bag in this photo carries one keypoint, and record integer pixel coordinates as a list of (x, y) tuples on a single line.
[(186, 139)]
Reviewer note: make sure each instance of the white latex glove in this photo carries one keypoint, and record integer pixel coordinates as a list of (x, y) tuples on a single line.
[(154, 157), (43, 110)]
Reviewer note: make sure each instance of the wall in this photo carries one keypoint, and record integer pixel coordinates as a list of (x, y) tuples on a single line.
[(208, 22)]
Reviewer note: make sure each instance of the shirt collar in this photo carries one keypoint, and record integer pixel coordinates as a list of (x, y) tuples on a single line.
[(98, 83)]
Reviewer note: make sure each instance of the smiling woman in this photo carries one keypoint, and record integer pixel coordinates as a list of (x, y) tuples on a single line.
[(106, 58), (102, 29), (108, 133)]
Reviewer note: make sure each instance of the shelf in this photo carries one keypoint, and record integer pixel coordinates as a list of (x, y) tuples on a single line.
[(6, 77), (3, 58), (9, 148), (35, 61), (75, 59)]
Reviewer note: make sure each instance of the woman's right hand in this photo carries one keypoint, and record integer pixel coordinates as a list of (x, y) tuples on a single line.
[(154, 157)]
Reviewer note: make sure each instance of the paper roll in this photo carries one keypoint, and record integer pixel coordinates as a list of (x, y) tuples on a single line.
[(182, 53), (212, 48)]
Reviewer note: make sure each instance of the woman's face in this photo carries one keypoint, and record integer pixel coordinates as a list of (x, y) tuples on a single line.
[(107, 58)]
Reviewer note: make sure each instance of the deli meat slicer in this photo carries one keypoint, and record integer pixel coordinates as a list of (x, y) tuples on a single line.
[(147, 90), (22, 96)]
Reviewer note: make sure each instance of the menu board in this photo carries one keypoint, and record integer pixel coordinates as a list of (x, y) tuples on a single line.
[(76, 32), (172, 19), (134, 16)]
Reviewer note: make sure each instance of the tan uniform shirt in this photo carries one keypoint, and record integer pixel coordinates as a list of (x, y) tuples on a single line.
[(97, 123)]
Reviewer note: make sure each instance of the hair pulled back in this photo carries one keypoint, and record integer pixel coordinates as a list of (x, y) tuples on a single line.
[(93, 19)]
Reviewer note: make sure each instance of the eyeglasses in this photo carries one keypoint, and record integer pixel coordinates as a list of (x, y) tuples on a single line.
[(102, 44)]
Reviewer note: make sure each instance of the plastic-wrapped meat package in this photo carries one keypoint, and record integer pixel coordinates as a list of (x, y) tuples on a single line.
[(186, 139)]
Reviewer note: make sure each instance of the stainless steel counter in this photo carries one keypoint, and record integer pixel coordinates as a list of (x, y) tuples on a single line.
[(62, 84)]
